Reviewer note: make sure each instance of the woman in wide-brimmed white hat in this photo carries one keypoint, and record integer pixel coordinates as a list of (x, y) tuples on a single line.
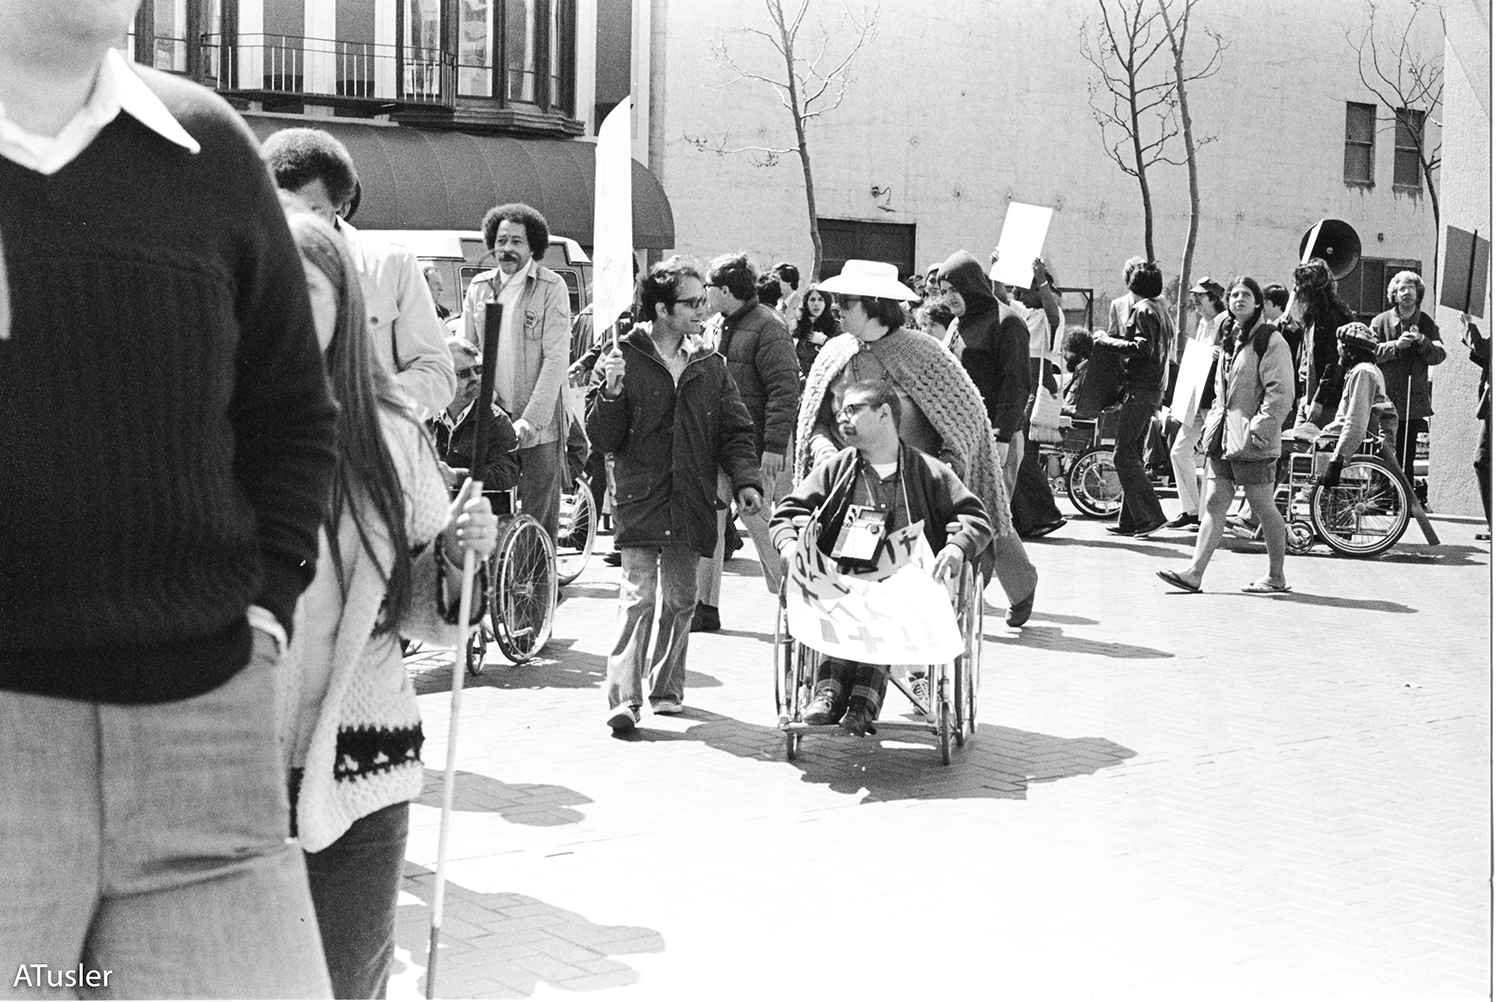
[(942, 413)]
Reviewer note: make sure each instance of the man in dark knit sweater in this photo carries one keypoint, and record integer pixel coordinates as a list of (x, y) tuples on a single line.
[(157, 531)]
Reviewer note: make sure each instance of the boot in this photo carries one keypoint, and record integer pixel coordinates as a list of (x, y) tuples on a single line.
[(828, 700), (865, 697)]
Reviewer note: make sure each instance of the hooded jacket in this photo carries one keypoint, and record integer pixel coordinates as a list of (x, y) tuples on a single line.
[(996, 345)]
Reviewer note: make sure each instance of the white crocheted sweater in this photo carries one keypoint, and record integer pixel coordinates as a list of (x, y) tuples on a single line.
[(349, 714)]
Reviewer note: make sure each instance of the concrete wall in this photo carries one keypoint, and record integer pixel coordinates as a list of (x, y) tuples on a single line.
[(959, 107), (1465, 204)]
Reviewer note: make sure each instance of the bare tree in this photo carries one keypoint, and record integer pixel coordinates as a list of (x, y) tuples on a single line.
[(1133, 101), (1177, 39), (1408, 83), (810, 82)]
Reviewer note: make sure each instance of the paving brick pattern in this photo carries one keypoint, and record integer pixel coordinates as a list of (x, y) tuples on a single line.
[(1169, 796)]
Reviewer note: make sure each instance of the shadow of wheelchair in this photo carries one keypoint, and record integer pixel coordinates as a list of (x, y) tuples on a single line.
[(996, 763)]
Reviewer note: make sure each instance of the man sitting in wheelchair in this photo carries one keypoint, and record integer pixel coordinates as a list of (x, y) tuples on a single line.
[(859, 497), (453, 432), (1364, 409)]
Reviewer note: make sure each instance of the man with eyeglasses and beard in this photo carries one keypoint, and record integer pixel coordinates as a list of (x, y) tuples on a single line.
[(668, 410)]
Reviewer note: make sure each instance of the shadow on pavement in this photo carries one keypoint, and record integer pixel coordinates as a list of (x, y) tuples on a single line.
[(1143, 547), (588, 591), (536, 804), (1052, 638), (996, 763), (568, 670), (504, 945), (1444, 555), (1046, 617), (1336, 602)]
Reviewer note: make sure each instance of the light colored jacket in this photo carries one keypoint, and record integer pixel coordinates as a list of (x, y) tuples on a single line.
[(545, 339), (1256, 391), (409, 339)]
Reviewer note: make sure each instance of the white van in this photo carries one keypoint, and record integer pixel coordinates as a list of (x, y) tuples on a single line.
[(460, 255)]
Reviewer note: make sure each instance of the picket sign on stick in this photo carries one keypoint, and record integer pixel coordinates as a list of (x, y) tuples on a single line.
[(614, 243), (494, 316)]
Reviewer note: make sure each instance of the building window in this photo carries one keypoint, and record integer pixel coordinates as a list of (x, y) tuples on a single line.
[(476, 32), (843, 239), (1409, 125), (521, 50), (1359, 143)]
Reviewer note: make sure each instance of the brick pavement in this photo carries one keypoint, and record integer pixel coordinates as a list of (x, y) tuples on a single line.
[(1170, 795)]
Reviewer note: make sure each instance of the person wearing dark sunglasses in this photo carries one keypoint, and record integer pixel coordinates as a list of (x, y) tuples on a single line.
[(453, 428)]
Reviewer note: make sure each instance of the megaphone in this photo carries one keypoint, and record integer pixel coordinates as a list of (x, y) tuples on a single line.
[(1335, 242)]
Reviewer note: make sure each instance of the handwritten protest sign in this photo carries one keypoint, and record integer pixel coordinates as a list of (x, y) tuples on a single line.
[(896, 615)]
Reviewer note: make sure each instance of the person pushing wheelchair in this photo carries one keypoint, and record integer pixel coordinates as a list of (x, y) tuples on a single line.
[(880, 484)]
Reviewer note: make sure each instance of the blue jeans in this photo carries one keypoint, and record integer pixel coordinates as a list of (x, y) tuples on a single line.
[(151, 841), (540, 489), (642, 570), (1139, 507), (355, 883)]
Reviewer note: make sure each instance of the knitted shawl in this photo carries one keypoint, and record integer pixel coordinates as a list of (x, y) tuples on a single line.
[(945, 393), (350, 719)]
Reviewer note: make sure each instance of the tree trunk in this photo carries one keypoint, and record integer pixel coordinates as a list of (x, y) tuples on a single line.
[(1437, 222), (795, 100), (1140, 170), (1179, 48)]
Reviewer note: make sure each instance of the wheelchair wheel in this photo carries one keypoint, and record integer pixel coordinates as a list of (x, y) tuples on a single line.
[(1093, 484), (967, 666), (945, 720), (1300, 536), (523, 593), (1366, 513), (474, 647), (577, 522)]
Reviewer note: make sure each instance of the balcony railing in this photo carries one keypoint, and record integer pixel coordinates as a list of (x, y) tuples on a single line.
[(310, 68)]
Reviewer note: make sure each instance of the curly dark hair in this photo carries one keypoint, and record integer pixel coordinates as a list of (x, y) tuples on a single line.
[(298, 157), (537, 234), (826, 323)]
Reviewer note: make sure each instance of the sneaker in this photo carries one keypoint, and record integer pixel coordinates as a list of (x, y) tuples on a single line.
[(623, 718), (919, 689), (612, 558), (1044, 530), (667, 707), (1119, 530), (1147, 530), (819, 709), (1187, 520), (705, 619)]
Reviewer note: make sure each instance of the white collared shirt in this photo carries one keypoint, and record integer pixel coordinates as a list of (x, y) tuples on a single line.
[(116, 89)]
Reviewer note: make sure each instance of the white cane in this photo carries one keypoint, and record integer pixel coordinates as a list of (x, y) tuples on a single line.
[(465, 609), (493, 317)]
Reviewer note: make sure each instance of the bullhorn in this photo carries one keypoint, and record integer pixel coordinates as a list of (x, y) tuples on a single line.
[(1335, 242)]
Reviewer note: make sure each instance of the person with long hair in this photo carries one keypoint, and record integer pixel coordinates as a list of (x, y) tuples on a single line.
[(816, 323), (1321, 313), (942, 412), (1243, 435), (389, 565), (1208, 301)]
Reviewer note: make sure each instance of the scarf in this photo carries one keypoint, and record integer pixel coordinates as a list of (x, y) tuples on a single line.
[(942, 390)]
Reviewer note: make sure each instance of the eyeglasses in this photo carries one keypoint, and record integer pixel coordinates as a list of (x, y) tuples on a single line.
[(847, 412), (693, 303), (473, 370)]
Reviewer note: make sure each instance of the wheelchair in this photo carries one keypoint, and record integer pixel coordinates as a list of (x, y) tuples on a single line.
[(950, 709), (1363, 516), (1082, 465), (577, 524), (523, 588)]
